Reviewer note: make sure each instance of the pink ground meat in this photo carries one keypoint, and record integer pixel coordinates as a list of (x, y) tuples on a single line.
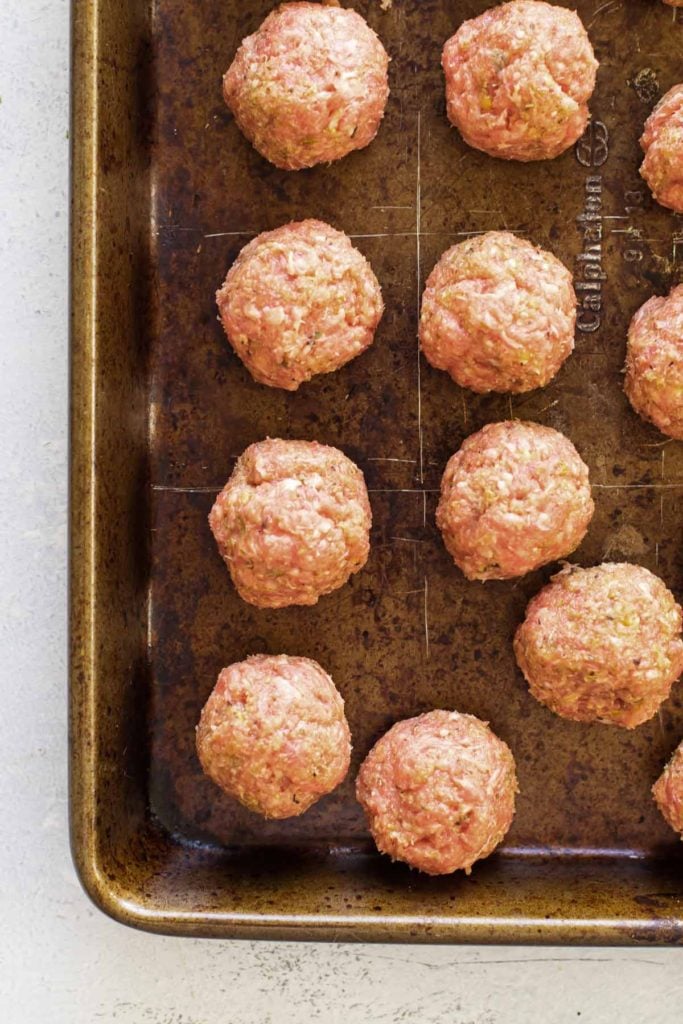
[(438, 791), (668, 791), (514, 497), (662, 143), (518, 80), (292, 523), (309, 86), (299, 301), (274, 735), (654, 362), (602, 644), (498, 314)]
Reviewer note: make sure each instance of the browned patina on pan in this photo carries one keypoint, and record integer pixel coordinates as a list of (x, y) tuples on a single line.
[(166, 191)]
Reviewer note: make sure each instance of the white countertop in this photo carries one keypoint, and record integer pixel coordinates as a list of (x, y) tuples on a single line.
[(62, 961)]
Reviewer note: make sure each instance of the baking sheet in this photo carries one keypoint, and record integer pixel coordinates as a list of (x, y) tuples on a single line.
[(408, 633)]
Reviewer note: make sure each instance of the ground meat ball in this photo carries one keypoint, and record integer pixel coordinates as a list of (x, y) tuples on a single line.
[(518, 80), (292, 522), (515, 496), (668, 791), (309, 86), (602, 644), (498, 314), (298, 301), (662, 143), (438, 791), (274, 735), (654, 362)]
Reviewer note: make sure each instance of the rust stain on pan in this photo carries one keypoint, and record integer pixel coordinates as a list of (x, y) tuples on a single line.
[(166, 191)]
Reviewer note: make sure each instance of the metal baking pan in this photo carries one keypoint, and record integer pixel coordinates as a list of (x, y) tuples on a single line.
[(165, 193)]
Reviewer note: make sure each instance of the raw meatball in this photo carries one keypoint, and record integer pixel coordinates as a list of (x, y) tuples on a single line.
[(309, 86), (298, 301), (602, 644), (438, 791), (498, 314), (518, 80), (654, 362), (662, 143), (668, 791), (292, 522), (514, 497), (274, 735)]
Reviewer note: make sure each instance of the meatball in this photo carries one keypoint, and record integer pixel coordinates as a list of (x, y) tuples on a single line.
[(498, 314), (668, 791), (274, 735), (515, 496), (602, 644), (292, 522), (654, 362), (298, 301), (518, 80), (662, 143), (438, 791), (309, 86)]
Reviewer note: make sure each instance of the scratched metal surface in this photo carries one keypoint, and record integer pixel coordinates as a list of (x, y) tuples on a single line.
[(408, 633)]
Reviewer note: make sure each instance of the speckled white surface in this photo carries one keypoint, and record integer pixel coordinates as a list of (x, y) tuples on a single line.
[(61, 961)]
